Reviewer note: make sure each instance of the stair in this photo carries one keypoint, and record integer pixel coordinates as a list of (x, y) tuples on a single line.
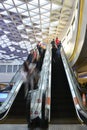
[(17, 113), (62, 106)]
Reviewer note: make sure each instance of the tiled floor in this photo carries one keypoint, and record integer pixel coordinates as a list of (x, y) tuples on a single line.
[(61, 124), (51, 127)]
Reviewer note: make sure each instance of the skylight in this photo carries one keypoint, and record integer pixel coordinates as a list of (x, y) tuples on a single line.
[(25, 22)]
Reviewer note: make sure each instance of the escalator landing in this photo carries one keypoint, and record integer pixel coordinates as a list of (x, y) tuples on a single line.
[(51, 127), (65, 121)]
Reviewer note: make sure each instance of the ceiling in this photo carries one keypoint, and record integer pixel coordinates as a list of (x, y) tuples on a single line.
[(24, 23)]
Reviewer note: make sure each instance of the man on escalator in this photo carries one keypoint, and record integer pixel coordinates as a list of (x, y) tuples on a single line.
[(58, 43)]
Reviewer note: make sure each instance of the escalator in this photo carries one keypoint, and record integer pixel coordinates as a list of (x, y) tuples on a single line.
[(62, 107), (17, 112), (13, 107)]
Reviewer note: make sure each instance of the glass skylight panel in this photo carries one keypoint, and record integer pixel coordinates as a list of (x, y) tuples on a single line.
[(26, 21), (40, 33), (6, 32), (23, 6), (34, 45), (0, 55), (36, 10), (6, 56), (47, 14), (4, 45), (20, 59), (9, 2), (25, 13), (12, 48), (18, 50), (15, 58), (43, 2), (43, 17), (34, 20), (43, 10), (29, 30), (44, 36), (36, 16), (1, 41), (24, 58), (45, 25), (23, 46), (18, 2), (32, 40), (38, 39), (20, 10), (20, 27), (51, 32), (14, 43), (33, 17), (1, 6), (29, 48), (47, 20), (54, 6), (37, 22), (47, 7), (32, 13), (6, 40), (21, 43), (4, 12), (34, 2), (4, 37), (44, 22), (24, 51), (31, 7), (24, 36), (13, 10), (6, 21), (54, 23), (2, 51), (44, 29), (8, 43), (12, 55), (53, 28), (27, 43), (7, 6), (31, 35), (38, 26)]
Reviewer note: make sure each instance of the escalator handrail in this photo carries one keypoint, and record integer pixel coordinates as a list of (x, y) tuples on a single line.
[(73, 86), (43, 81), (13, 92), (11, 96), (16, 79), (16, 74)]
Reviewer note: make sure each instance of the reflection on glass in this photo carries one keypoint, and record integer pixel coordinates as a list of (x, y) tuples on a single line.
[(3, 97), (4, 91)]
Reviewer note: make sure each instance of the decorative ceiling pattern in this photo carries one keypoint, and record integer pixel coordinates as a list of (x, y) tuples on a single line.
[(24, 23)]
